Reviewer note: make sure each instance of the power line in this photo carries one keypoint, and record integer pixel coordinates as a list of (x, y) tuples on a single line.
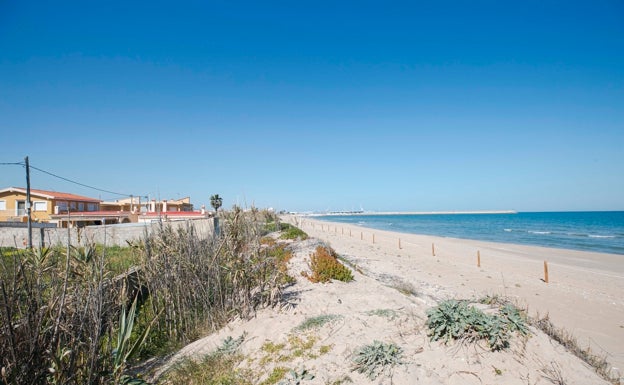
[(78, 183), (12, 164)]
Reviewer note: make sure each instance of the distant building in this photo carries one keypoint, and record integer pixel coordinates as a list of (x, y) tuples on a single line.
[(45, 204), (65, 209), (135, 205)]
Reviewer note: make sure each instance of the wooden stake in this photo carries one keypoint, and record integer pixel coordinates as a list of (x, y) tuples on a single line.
[(433, 249), (361, 235), (545, 271), (400, 244), (478, 258), (373, 237)]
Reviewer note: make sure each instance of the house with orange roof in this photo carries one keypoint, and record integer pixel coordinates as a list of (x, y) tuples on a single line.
[(45, 204), (71, 210)]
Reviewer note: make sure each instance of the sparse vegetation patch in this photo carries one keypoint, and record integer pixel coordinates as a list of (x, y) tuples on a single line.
[(372, 360), (317, 322), (458, 320)]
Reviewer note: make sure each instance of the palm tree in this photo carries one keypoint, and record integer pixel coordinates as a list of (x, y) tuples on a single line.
[(216, 201)]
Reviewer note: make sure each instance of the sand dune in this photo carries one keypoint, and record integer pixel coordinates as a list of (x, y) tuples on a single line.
[(583, 295)]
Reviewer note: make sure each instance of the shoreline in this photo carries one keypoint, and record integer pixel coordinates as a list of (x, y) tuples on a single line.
[(516, 231), (583, 295), (351, 213)]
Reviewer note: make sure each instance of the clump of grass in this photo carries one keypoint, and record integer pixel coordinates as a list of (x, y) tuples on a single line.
[(372, 360), (404, 287), (324, 349), (317, 322), (292, 232), (296, 347), (213, 369), (453, 320), (282, 255), (325, 267), (385, 313), (566, 339), (278, 373)]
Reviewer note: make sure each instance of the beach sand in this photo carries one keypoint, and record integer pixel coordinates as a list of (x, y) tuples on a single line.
[(394, 288), (584, 295)]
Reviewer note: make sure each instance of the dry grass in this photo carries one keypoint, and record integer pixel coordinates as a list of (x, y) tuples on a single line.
[(566, 339)]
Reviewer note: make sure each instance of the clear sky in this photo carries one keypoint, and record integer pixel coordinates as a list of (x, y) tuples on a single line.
[(319, 105)]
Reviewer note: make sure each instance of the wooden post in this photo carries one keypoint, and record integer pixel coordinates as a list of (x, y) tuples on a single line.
[(400, 244), (433, 249), (373, 237), (478, 258), (545, 271), (361, 235)]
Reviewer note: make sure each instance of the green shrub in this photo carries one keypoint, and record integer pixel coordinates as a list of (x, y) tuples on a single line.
[(373, 359), (292, 232), (325, 267), (453, 320)]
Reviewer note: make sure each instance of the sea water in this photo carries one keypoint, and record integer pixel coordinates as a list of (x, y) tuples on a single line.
[(599, 231)]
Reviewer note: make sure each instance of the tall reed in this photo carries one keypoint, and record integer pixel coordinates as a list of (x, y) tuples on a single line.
[(60, 308)]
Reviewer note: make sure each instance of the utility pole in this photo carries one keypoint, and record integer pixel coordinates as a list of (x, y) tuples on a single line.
[(28, 204)]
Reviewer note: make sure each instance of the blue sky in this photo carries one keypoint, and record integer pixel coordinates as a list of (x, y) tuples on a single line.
[(313, 105)]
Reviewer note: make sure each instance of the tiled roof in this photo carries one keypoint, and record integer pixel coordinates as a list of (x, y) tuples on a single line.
[(52, 194)]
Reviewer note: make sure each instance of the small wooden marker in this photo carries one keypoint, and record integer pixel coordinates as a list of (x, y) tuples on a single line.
[(373, 237), (545, 271), (400, 244), (361, 235), (478, 258), (433, 249)]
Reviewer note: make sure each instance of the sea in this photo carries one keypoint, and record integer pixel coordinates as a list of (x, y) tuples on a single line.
[(597, 231)]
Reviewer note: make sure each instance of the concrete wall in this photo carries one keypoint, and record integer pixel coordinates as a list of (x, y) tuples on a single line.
[(110, 234)]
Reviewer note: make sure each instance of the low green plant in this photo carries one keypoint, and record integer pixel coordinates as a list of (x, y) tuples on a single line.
[(296, 377), (384, 313), (317, 322), (372, 360), (215, 368), (230, 345), (453, 320), (292, 232), (278, 373), (325, 267), (126, 348)]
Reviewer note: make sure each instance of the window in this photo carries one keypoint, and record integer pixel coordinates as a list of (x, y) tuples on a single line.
[(72, 205), (40, 206), (62, 206), (2, 205), (91, 206), (80, 206)]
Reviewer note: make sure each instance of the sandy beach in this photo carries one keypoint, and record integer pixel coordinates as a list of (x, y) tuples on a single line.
[(584, 295), (392, 290)]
